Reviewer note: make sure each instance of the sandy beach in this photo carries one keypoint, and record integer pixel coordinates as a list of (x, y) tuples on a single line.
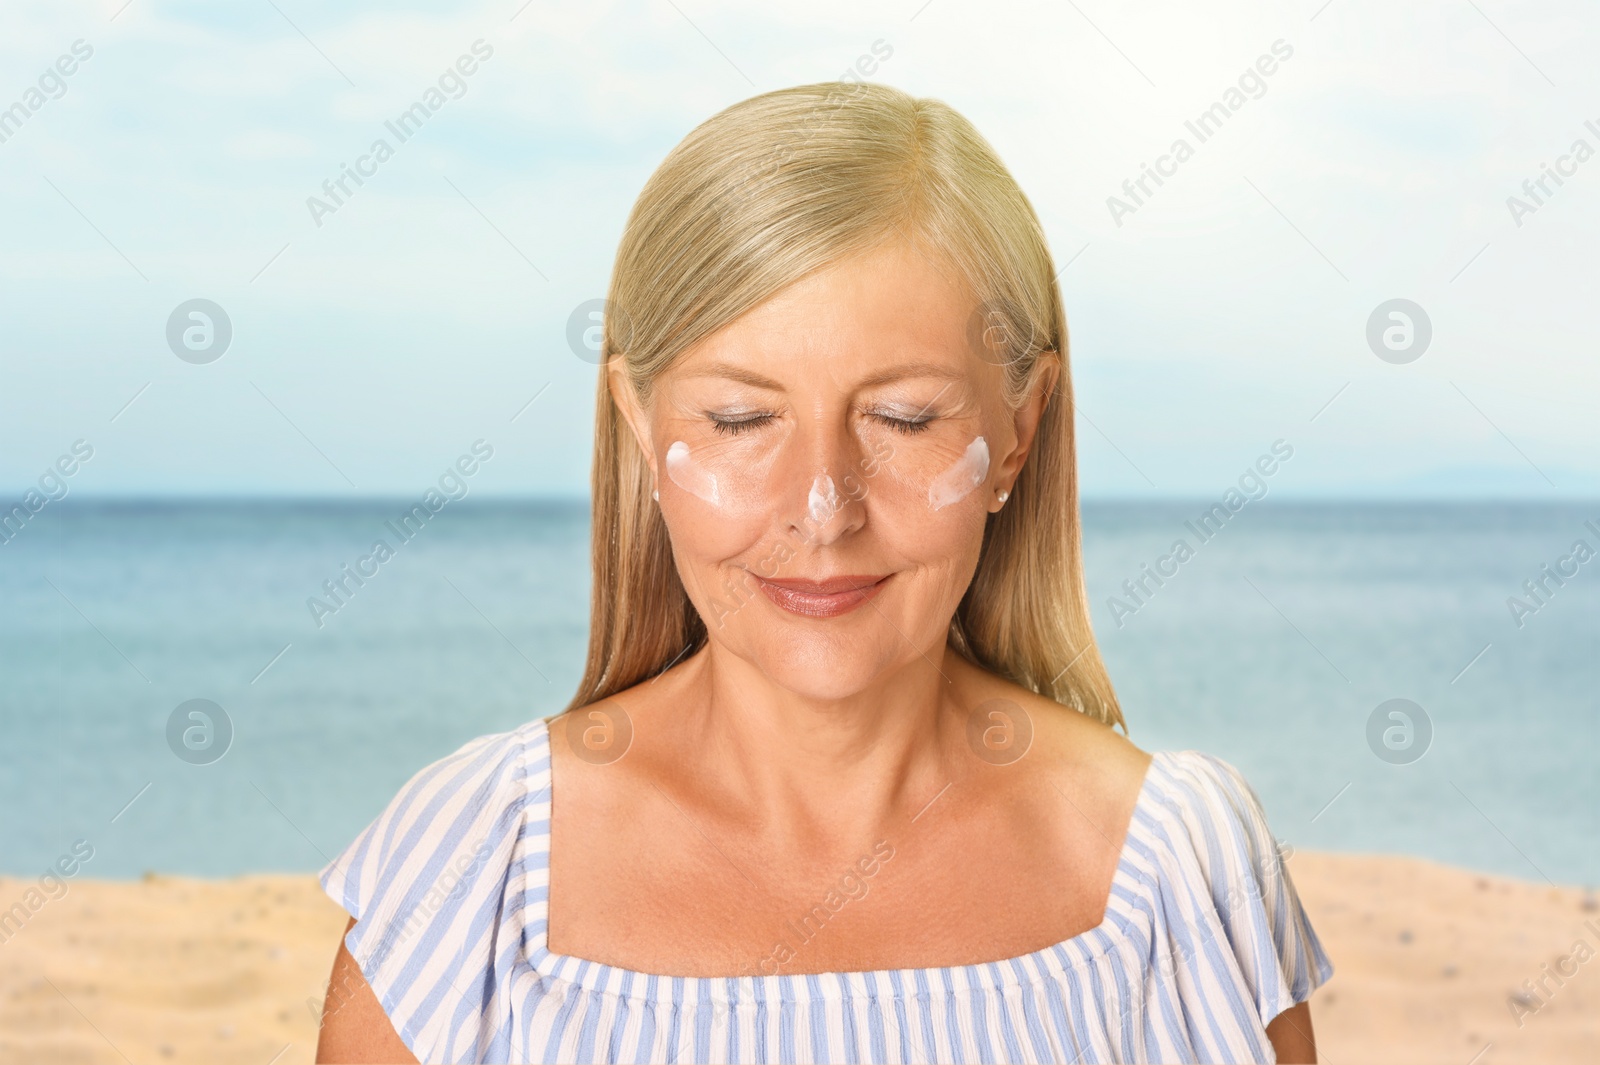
[(1429, 960)]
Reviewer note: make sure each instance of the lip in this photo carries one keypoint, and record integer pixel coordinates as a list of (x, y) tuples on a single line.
[(827, 598)]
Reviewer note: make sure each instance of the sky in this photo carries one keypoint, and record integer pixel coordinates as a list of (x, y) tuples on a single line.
[(376, 338)]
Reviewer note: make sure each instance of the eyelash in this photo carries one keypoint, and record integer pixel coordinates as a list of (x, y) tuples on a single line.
[(907, 426), (735, 426)]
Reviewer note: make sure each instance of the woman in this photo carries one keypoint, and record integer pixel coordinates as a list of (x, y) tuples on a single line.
[(840, 782)]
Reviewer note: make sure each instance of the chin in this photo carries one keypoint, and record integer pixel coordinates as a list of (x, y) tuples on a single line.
[(826, 666)]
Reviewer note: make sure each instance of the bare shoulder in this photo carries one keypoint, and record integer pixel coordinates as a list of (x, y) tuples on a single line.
[(607, 758), (588, 744), (1081, 744), (645, 723), (1097, 770), (354, 1026)]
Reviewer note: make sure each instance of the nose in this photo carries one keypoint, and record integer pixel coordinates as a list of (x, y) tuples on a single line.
[(825, 499)]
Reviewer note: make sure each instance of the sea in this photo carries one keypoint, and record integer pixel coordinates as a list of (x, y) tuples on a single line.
[(1366, 665)]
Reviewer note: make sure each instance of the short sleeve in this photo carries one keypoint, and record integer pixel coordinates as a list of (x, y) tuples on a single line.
[(428, 883), (1246, 899)]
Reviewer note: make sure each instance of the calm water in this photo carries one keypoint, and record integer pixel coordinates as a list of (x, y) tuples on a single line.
[(1270, 647)]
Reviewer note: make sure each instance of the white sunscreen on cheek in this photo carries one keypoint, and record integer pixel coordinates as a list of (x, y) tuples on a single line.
[(687, 475), (963, 475), (824, 499)]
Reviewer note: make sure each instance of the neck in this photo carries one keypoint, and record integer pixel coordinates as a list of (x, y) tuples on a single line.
[(820, 765)]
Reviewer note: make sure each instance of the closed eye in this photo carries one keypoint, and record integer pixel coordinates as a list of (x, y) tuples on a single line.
[(735, 426), (904, 425)]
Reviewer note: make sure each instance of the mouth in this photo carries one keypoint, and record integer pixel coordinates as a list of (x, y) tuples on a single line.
[(825, 598)]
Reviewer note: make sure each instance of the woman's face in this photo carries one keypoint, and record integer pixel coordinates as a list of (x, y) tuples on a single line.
[(825, 466)]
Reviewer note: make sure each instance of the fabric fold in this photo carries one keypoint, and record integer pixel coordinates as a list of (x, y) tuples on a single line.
[(1204, 942)]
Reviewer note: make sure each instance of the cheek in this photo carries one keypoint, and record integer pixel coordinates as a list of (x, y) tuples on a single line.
[(736, 479), (927, 501), (934, 475), (699, 478), (958, 480), (914, 531), (704, 536), (720, 500)]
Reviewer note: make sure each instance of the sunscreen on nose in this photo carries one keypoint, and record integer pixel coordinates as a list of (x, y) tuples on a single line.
[(689, 476), (962, 476), (824, 500)]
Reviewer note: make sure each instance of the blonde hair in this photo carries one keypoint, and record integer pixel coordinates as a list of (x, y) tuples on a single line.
[(751, 201)]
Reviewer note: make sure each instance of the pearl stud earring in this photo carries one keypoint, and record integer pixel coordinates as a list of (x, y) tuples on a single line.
[(1004, 495), (655, 493)]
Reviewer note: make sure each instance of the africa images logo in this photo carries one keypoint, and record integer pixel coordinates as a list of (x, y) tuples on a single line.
[(336, 191)]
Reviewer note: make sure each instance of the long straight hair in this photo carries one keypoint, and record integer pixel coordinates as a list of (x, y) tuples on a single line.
[(758, 197)]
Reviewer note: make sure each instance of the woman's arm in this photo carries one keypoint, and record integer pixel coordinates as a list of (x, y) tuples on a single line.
[(354, 1026), (1291, 1035)]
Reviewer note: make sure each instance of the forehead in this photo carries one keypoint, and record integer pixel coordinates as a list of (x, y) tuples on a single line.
[(891, 308)]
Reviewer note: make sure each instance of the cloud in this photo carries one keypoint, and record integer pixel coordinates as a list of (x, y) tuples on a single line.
[(268, 144), (1376, 165)]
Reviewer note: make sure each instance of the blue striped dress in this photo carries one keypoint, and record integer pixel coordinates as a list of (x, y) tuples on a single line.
[(1203, 943)]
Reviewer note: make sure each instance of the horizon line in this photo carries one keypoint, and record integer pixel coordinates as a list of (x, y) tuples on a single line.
[(563, 497)]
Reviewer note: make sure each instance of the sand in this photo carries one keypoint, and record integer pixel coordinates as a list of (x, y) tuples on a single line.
[(170, 969)]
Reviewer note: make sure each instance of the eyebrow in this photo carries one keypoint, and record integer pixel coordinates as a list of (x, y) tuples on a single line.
[(734, 372)]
